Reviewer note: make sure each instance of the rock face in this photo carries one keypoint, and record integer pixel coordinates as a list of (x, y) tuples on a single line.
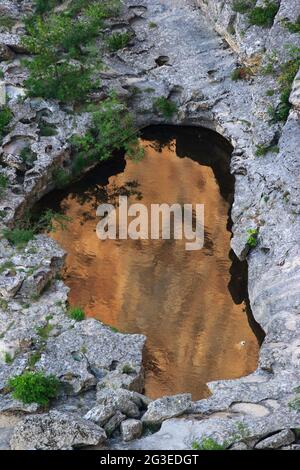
[(166, 408), (186, 61), (55, 431), (131, 429)]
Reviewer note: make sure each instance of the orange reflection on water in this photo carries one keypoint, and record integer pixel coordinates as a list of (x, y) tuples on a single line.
[(178, 299)]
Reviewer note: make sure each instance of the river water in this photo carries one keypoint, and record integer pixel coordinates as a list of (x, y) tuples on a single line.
[(191, 305)]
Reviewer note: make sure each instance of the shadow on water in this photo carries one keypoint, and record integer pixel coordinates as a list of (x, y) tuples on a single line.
[(141, 284)]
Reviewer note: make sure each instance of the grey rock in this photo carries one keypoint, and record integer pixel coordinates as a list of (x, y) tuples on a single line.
[(100, 414), (119, 399), (55, 431), (166, 408), (131, 429), (280, 439), (118, 379)]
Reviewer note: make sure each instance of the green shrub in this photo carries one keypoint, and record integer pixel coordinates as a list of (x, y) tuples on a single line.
[(152, 25), (270, 92), (242, 6), (252, 240), (264, 16), (295, 403), (44, 331), (34, 358), (112, 130), (61, 178), (5, 118), (165, 107), (208, 443), (76, 313), (8, 358), (34, 387), (118, 41), (287, 73), (19, 237)]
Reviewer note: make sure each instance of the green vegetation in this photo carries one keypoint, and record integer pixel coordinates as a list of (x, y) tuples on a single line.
[(243, 6), (76, 313), (3, 183), (113, 328), (61, 67), (152, 25), (5, 118), (22, 234), (252, 240), (18, 237), (44, 6), (61, 178), (34, 358), (7, 22), (112, 130), (264, 16), (47, 130), (44, 331), (165, 107), (270, 92), (34, 387), (262, 150), (118, 41), (259, 16), (295, 403), (241, 73), (27, 156), (208, 443), (8, 358), (6, 265)]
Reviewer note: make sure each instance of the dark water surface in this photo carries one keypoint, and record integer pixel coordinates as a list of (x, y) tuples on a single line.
[(190, 305)]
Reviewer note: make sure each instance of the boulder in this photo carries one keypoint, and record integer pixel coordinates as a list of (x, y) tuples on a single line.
[(166, 408), (55, 431), (280, 439), (121, 400), (114, 422), (131, 429)]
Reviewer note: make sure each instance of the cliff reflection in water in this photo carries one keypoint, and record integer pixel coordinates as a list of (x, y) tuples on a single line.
[(182, 301)]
